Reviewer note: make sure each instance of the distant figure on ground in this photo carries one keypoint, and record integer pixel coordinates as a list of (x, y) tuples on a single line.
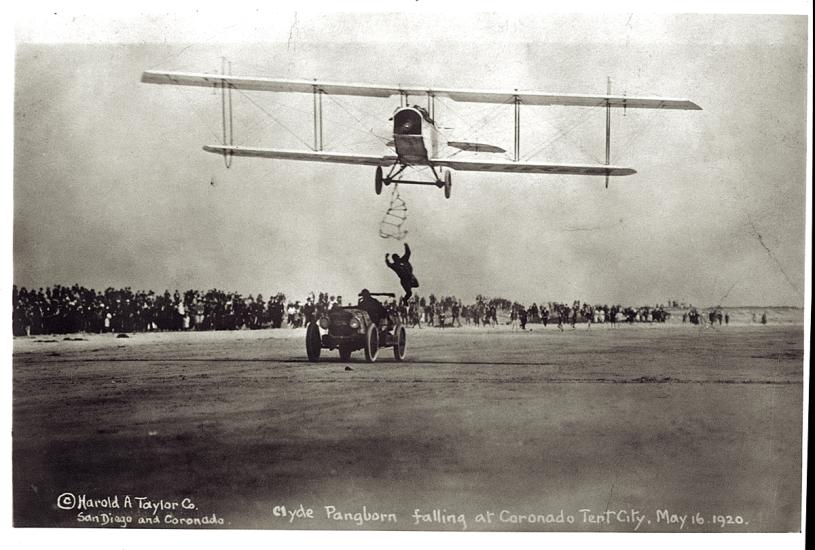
[(414, 315), (764, 318), (401, 266)]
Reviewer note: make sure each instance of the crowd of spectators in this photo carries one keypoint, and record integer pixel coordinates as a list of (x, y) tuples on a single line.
[(63, 310), (485, 312)]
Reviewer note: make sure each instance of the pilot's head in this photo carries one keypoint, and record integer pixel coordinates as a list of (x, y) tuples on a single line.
[(364, 293)]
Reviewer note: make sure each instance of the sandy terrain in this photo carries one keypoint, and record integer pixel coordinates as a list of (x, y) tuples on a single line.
[(477, 424)]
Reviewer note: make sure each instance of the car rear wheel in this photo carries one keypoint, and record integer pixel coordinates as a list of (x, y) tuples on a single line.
[(345, 353), (400, 347), (313, 342), (371, 343)]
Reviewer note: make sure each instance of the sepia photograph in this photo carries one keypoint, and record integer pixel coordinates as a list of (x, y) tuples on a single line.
[(409, 269)]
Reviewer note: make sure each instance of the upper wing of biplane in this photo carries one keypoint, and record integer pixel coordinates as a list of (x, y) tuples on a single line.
[(370, 90)]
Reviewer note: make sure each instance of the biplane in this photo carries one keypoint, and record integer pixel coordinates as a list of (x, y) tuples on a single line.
[(416, 141)]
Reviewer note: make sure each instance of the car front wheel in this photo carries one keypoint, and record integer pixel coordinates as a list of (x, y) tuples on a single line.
[(313, 342)]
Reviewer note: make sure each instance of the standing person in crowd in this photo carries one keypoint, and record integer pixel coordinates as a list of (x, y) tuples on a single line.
[(440, 314), (522, 316), (563, 313), (308, 311), (415, 319)]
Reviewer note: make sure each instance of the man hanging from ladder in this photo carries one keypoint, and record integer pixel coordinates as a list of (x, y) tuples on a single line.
[(401, 265)]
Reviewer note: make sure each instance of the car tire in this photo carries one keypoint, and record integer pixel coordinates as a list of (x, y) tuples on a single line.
[(371, 343), (345, 353), (313, 344), (400, 346)]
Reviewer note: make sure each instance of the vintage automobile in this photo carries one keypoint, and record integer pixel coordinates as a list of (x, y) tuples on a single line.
[(368, 326)]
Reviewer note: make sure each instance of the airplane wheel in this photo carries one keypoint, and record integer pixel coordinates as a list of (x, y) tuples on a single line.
[(400, 347), (448, 184), (345, 353), (378, 180), (371, 343), (313, 342)]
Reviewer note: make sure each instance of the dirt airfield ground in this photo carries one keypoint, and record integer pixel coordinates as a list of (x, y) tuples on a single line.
[(660, 425)]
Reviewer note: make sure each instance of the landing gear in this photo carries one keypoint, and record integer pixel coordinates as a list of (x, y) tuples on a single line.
[(378, 180), (448, 183), (443, 179)]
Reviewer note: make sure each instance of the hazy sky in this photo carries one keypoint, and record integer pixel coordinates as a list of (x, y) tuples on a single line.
[(112, 188)]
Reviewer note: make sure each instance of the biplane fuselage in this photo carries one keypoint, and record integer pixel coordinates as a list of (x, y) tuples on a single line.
[(415, 136)]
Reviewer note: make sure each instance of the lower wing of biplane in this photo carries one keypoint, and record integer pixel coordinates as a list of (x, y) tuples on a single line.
[(415, 135), (443, 178)]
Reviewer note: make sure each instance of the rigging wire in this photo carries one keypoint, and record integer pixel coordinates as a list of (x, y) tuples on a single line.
[(561, 134), (362, 129), (369, 131), (490, 114), (256, 124), (267, 113)]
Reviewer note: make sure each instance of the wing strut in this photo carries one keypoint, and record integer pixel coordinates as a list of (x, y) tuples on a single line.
[(226, 112), (517, 128), (608, 127), (318, 118)]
